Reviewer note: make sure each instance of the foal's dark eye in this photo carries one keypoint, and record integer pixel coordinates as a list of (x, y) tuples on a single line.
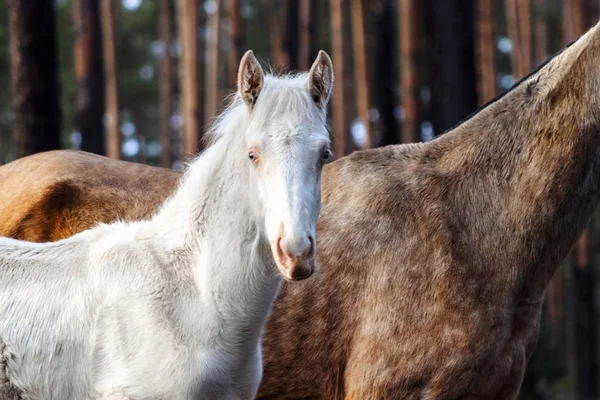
[(252, 156), (327, 155)]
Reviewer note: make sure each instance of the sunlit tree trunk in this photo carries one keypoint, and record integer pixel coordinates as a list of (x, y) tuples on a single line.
[(212, 65), (190, 74), (109, 10), (165, 83), (89, 73), (237, 39), (34, 75), (360, 67), (574, 20), (308, 33), (486, 67), (540, 40), (343, 88), (518, 19), (279, 54), (410, 79)]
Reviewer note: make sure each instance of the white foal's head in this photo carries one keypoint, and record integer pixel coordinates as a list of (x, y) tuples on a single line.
[(287, 145)]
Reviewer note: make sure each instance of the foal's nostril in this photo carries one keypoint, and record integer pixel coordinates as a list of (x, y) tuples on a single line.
[(281, 253), (311, 249)]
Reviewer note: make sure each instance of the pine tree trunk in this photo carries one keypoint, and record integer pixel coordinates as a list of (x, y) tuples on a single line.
[(592, 12), (190, 74), (308, 33), (237, 39), (574, 23), (165, 83), (452, 62), (410, 79), (360, 68), (212, 65), (34, 76), (486, 66), (279, 54), (292, 37), (518, 18), (540, 39), (385, 72), (89, 73), (524, 12), (343, 88), (109, 10)]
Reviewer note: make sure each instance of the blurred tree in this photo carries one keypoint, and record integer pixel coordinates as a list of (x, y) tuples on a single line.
[(110, 38), (592, 12), (89, 74), (540, 34), (411, 21), (486, 67), (307, 47), (212, 64), (343, 88), (360, 68), (279, 55), (237, 39), (34, 76), (292, 32), (518, 18), (451, 36), (191, 77), (165, 98), (574, 20), (385, 71)]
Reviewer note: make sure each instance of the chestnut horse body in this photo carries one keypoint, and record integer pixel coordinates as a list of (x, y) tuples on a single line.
[(433, 257)]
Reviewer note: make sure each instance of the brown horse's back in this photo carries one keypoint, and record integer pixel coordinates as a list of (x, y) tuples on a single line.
[(53, 195)]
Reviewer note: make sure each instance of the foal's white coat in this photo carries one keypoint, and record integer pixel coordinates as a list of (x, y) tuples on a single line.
[(173, 307)]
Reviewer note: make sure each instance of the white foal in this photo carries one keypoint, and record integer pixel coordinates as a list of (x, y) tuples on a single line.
[(173, 307)]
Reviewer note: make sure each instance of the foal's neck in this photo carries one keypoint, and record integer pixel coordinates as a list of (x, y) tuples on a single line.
[(214, 231)]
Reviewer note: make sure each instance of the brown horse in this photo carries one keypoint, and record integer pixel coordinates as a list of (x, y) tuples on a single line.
[(434, 257)]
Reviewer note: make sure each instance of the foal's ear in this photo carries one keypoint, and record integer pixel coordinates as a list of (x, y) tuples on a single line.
[(320, 79), (250, 79)]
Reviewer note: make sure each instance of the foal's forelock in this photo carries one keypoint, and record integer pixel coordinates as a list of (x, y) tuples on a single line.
[(281, 96)]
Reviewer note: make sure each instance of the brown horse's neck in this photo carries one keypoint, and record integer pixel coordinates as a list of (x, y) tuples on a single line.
[(525, 170)]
